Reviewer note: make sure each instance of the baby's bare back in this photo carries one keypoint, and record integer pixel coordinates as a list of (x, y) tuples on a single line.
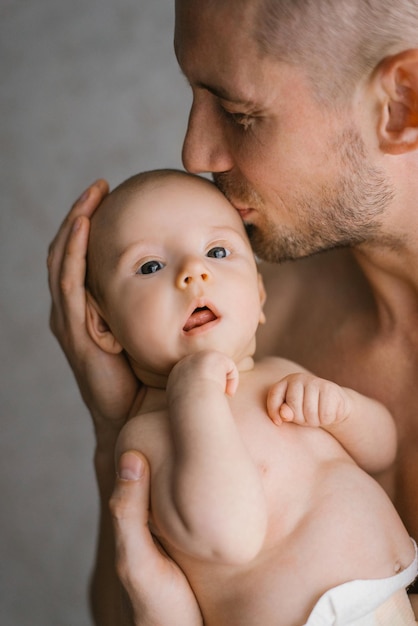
[(329, 522)]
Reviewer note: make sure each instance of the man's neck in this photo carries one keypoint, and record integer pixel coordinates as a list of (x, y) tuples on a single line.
[(392, 274)]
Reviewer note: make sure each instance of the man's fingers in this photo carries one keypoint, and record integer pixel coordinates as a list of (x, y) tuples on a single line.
[(158, 590), (84, 206), (129, 506), (87, 203), (67, 290), (73, 268), (66, 261)]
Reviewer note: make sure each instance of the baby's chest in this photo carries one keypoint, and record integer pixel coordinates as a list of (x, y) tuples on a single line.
[(283, 454)]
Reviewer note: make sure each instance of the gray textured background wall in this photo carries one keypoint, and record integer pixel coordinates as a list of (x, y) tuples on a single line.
[(89, 88)]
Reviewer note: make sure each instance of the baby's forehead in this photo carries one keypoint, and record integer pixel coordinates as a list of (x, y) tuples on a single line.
[(170, 197), (145, 203)]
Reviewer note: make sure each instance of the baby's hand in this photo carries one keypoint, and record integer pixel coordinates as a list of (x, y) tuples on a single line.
[(307, 400), (208, 365)]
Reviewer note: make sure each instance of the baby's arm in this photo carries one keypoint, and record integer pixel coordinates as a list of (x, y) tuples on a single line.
[(207, 497), (363, 426), (214, 496)]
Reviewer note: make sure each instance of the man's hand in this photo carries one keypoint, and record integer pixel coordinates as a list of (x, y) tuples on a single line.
[(106, 382), (414, 602), (158, 590), (307, 400)]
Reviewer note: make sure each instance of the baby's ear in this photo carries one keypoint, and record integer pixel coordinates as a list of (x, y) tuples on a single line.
[(263, 297), (397, 79), (98, 328)]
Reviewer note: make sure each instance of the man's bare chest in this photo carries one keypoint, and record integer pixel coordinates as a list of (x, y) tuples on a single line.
[(388, 371)]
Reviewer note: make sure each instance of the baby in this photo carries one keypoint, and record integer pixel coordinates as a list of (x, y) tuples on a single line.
[(260, 486)]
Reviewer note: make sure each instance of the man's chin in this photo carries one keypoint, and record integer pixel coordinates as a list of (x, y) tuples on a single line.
[(274, 247)]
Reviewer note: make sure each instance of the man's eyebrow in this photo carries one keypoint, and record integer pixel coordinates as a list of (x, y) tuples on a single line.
[(224, 94), (220, 92)]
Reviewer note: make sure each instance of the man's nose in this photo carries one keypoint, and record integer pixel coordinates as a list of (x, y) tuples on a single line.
[(205, 147), (192, 273)]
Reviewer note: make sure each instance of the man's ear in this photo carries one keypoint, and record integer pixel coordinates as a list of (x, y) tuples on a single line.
[(263, 297), (398, 124), (98, 328)]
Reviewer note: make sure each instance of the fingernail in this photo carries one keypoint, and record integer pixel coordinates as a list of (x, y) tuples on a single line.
[(84, 196), (76, 225), (131, 466)]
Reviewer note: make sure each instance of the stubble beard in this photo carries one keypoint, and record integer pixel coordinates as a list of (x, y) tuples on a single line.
[(345, 215)]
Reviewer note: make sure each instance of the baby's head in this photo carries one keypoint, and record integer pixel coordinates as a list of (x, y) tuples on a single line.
[(171, 272)]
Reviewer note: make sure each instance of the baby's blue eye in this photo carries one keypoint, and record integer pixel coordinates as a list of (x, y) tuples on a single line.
[(218, 252), (150, 267)]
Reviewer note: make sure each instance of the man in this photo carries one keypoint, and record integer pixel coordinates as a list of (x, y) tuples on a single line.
[(307, 114)]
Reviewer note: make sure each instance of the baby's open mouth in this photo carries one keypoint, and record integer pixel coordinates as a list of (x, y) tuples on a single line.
[(200, 316)]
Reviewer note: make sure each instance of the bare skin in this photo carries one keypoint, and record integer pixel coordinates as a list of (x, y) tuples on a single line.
[(334, 500), (350, 317), (348, 324), (105, 381), (235, 499), (347, 316)]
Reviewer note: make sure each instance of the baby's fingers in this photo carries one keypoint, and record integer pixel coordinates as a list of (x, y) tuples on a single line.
[(275, 399), (287, 414), (334, 405), (232, 380)]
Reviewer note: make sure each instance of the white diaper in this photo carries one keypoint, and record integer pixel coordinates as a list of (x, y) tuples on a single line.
[(368, 602)]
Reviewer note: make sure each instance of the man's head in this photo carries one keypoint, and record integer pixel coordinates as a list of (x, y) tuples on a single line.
[(171, 272), (296, 106), (338, 42)]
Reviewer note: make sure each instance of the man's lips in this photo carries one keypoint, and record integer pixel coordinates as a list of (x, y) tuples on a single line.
[(243, 212), (199, 317)]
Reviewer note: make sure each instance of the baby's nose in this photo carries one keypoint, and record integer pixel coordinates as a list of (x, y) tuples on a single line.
[(192, 272)]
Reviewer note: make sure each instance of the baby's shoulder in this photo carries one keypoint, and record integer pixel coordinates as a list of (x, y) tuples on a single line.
[(274, 368), (146, 431), (255, 384)]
